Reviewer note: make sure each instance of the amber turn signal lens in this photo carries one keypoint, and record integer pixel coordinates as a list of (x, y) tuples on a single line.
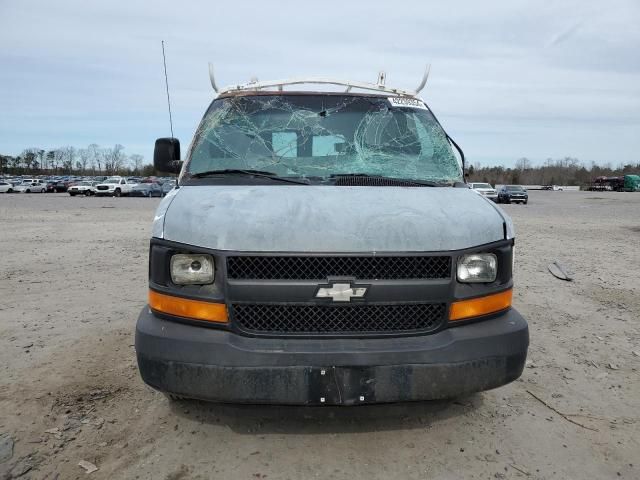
[(187, 308), (477, 307)]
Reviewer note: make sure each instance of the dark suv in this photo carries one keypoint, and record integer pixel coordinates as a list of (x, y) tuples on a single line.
[(513, 194)]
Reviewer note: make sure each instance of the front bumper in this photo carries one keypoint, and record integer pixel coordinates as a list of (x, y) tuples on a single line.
[(217, 365), (104, 193)]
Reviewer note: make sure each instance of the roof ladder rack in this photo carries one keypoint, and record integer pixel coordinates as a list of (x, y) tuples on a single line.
[(255, 85)]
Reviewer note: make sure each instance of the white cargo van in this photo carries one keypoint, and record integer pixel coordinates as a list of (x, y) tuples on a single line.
[(320, 248)]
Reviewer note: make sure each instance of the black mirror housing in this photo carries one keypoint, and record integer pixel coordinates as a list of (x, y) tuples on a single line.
[(166, 155)]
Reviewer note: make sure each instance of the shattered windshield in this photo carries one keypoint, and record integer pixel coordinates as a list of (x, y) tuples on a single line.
[(323, 135)]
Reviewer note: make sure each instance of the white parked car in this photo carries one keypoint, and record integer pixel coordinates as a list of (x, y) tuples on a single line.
[(83, 188), (6, 187), (114, 187), (31, 185), (486, 190)]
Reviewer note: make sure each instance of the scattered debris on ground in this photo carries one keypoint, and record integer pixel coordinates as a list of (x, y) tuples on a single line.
[(6, 447), (559, 271), (88, 466)]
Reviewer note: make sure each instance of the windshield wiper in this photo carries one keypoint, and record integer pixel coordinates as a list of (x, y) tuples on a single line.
[(248, 173), (411, 181)]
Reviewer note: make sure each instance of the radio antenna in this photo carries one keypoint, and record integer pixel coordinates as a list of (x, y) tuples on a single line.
[(166, 82)]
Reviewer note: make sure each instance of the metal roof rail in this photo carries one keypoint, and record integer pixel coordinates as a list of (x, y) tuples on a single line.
[(255, 85)]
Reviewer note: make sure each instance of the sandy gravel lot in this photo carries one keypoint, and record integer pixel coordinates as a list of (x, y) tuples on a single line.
[(73, 279)]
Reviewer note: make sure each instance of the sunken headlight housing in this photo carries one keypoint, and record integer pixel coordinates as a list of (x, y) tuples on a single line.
[(192, 269), (477, 268)]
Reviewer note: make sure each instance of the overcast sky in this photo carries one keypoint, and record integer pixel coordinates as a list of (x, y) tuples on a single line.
[(509, 78)]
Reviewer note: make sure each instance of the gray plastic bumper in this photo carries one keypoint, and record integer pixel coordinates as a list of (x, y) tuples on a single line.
[(217, 365)]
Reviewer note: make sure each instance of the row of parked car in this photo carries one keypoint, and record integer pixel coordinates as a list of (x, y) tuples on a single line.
[(121, 186), (117, 186), (114, 186), (506, 193)]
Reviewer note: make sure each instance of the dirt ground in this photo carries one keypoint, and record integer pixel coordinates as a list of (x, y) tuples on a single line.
[(73, 277)]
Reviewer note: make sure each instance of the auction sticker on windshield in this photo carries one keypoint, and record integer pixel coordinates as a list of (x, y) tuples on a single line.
[(406, 102)]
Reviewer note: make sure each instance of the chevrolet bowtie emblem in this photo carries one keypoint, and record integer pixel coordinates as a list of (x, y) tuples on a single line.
[(341, 292)]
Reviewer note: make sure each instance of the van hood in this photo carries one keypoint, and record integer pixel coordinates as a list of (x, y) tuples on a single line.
[(292, 218)]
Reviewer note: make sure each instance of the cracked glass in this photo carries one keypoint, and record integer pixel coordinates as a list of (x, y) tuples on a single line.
[(319, 135)]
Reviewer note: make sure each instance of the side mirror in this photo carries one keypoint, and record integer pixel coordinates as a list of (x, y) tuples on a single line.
[(166, 155)]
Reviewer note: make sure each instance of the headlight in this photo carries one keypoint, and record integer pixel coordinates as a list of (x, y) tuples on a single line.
[(192, 269), (477, 268)]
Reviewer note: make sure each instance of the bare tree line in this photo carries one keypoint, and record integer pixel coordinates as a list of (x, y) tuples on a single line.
[(562, 171), (96, 160), (92, 160)]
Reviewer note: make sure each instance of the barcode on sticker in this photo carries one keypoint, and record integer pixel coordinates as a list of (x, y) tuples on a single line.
[(406, 102)]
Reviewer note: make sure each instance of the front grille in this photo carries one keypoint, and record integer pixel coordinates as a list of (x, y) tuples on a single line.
[(327, 319), (321, 268), (103, 187)]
